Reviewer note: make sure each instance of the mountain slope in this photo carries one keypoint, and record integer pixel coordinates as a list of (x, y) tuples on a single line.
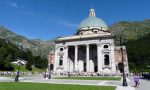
[(132, 30), (37, 46)]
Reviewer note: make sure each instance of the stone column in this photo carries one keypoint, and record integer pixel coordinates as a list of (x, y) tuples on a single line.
[(87, 58), (66, 66), (76, 58), (99, 58)]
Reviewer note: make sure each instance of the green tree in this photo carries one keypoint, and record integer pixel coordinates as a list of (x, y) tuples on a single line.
[(29, 66)]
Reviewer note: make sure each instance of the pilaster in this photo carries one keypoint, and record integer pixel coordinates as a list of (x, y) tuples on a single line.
[(99, 58)]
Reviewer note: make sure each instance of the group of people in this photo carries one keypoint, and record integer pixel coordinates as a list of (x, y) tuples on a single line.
[(86, 74), (11, 73), (136, 77), (46, 74)]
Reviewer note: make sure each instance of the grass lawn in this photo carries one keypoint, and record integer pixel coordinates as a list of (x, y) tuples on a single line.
[(90, 78), (46, 86)]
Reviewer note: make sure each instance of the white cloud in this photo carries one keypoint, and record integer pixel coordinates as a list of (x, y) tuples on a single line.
[(66, 23), (14, 5)]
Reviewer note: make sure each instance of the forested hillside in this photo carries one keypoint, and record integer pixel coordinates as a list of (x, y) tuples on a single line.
[(132, 29), (10, 52), (139, 53)]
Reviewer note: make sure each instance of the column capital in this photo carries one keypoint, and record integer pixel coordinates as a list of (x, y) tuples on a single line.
[(98, 44), (87, 45), (76, 45)]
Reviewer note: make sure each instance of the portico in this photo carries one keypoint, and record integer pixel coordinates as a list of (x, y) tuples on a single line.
[(87, 55)]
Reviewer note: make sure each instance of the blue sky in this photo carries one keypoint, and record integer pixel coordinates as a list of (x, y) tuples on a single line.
[(47, 19)]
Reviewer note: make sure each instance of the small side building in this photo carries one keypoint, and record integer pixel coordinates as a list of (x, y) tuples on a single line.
[(119, 56)]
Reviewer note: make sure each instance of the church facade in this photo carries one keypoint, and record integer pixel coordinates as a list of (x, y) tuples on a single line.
[(91, 49)]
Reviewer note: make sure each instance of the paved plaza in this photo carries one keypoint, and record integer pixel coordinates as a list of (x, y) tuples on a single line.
[(40, 79), (145, 84)]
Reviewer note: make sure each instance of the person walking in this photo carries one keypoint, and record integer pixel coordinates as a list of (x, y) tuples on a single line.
[(136, 80), (17, 76)]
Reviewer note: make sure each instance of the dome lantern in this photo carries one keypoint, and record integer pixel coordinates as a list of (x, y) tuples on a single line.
[(92, 13)]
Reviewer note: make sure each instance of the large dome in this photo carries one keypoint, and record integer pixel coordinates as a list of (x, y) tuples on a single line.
[(92, 21)]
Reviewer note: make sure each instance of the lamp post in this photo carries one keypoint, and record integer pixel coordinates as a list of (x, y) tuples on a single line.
[(120, 39), (124, 83)]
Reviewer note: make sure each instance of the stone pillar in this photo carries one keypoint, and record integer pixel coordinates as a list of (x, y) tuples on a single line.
[(76, 58), (99, 58), (87, 58), (66, 66)]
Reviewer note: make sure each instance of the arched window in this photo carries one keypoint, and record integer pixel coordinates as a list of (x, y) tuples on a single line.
[(106, 59), (105, 46), (51, 67), (61, 61)]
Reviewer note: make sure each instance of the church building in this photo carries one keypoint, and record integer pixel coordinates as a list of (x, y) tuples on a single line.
[(91, 49)]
